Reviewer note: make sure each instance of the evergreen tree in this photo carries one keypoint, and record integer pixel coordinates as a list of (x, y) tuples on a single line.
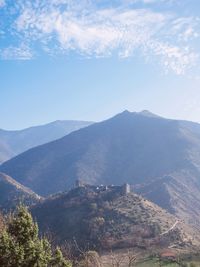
[(58, 259), (20, 245)]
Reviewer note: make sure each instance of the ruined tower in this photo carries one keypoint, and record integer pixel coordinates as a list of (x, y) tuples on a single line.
[(126, 189), (78, 183)]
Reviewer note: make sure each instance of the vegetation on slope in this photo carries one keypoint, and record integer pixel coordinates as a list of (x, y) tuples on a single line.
[(1, 223), (13, 193), (106, 219)]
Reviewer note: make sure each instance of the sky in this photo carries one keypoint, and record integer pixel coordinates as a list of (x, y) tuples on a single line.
[(89, 60)]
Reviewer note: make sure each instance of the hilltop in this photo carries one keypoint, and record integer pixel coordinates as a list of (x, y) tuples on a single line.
[(107, 217)]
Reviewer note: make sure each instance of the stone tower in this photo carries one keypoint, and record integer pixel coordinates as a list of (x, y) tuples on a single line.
[(126, 189), (78, 183)]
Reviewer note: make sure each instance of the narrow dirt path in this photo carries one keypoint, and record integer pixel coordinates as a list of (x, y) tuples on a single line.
[(171, 228)]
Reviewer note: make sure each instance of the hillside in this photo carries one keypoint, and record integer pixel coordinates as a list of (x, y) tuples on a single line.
[(159, 157), (13, 143), (13, 193), (108, 218), (1, 223)]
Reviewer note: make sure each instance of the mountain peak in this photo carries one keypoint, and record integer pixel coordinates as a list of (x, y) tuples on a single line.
[(126, 112), (147, 113)]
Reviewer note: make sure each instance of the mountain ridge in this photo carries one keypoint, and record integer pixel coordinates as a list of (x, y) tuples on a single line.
[(130, 147), (13, 193), (15, 142)]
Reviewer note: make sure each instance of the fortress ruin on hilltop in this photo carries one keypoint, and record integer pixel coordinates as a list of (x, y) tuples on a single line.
[(123, 189)]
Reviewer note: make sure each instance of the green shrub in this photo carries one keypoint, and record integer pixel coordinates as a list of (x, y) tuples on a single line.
[(20, 245)]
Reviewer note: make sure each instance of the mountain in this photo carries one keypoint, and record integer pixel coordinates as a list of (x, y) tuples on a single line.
[(13, 143), (13, 193), (159, 157), (109, 218)]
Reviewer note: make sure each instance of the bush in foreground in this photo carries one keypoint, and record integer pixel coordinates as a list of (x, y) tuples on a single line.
[(20, 245)]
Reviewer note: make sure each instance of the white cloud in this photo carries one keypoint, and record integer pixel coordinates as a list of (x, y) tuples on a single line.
[(175, 58), (2, 3), (149, 1), (63, 25), (186, 28), (16, 53)]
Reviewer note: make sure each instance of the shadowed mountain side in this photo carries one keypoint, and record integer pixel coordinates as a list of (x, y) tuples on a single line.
[(179, 194), (12, 194), (13, 143), (128, 147)]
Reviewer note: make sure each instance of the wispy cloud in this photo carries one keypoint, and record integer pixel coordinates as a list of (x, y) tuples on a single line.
[(2, 3), (16, 53), (62, 26)]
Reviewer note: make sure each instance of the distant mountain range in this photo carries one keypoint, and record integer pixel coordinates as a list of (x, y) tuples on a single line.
[(13, 143), (13, 193), (159, 157)]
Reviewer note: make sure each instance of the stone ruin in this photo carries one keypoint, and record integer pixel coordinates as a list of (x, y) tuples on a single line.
[(124, 189)]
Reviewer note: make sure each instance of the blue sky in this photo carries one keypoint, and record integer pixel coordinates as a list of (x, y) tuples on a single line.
[(88, 60)]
